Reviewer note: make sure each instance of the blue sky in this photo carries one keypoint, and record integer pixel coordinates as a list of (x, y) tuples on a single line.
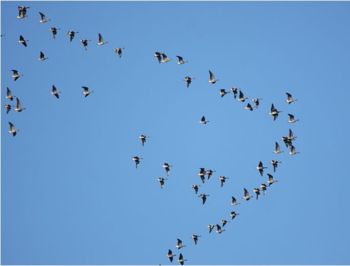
[(70, 191)]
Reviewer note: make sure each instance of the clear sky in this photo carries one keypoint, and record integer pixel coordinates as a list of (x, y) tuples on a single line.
[(70, 191)]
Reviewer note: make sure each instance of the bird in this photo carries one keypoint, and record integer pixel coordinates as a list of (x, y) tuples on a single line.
[(158, 55), (203, 197), (241, 96), (256, 102), (181, 259), (170, 255), (291, 119), (7, 108), (165, 58), (291, 136), (195, 238), (54, 31), (235, 92), (22, 12), (86, 91), (43, 18), (180, 60), (100, 40), (85, 43), (202, 174), (179, 244), (287, 141), (12, 129), (257, 192), (137, 160), (246, 195), (234, 201), (195, 188), (55, 92), (9, 94), (260, 168), (166, 167), (161, 181), (275, 164), (143, 139), (203, 121), (219, 230), (71, 34), (292, 150), (211, 227), (188, 81), (277, 149), (263, 188), (22, 41), (18, 107), (224, 222), (210, 173), (271, 180), (223, 92), (274, 112), (249, 107), (119, 51), (222, 180), (212, 78), (233, 214), (290, 98), (15, 74), (42, 56)]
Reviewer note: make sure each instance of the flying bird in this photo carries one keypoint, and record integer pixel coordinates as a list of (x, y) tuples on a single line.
[(203, 121), (43, 18), (188, 81), (15, 74), (195, 188), (85, 43), (261, 168), (291, 119), (137, 160), (235, 92), (202, 174), (256, 102), (158, 55), (277, 149), (223, 92), (292, 150), (249, 107), (181, 259), (22, 41), (211, 227), (195, 238), (22, 11), (234, 201), (86, 91), (165, 58), (246, 195), (170, 255), (100, 40), (12, 129), (55, 92), (119, 51), (7, 108), (179, 244), (180, 60), (143, 139), (275, 164), (71, 34), (222, 180), (203, 197), (219, 230), (241, 96), (9, 94), (42, 56), (233, 214), (290, 98), (263, 188), (210, 173), (271, 180), (223, 222), (167, 167), (54, 31), (161, 181), (19, 108), (274, 112), (212, 78), (257, 192)]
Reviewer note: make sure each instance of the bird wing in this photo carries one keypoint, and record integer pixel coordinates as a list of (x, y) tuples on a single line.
[(100, 38), (42, 16)]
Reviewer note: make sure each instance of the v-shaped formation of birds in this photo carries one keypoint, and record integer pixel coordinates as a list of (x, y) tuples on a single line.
[(204, 174)]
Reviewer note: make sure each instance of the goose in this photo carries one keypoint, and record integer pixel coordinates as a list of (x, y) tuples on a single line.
[(71, 34), (271, 180), (292, 150), (224, 222), (42, 56), (161, 181), (188, 81), (203, 197), (263, 188), (7, 108), (100, 40), (22, 11), (15, 74), (235, 92), (181, 259), (137, 160), (233, 214), (241, 97), (170, 255), (19, 107), (143, 139), (167, 167), (246, 195), (43, 18), (179, 244), (9, 94), (195, 188), (54, 31), (275, 164), (234, 201), (290, 98), (257, 192), (180, 60), (210, 173), (86, 91), (119, 51), (203, 121), (222, 180), (22, 41), (249, 107), (291, 136), (291, 119), (158, 55), (261, 168), (85, 43), (256, 102), (219, 230), (277, 149), (195, 238), (274, 112), (55, 92), (165, 58), (223, 92), (287, 141), (212, 78), (201, 174), (211, 227), (12, 129)]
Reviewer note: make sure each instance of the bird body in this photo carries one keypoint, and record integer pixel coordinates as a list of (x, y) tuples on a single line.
[(119, 51), (188, 81), (15, 74), (12, 129), (180, 60), (43, 18), (291, 119), (212, 78), (274, 112), (271, 180), (9, 94), (55, 92), (42, 56), (203, 121), (246, 195), (241, 97), (19, 108), (101, 40), (195, 238), (170, 255), (166, 167), (86, 91), (54, 32), (277, 149), (22, 41), (290, 98), (203, 197), (261, 168), (275, 164), (137, 160)]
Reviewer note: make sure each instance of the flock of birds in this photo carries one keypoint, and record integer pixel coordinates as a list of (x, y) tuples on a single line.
[(204, 174)]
